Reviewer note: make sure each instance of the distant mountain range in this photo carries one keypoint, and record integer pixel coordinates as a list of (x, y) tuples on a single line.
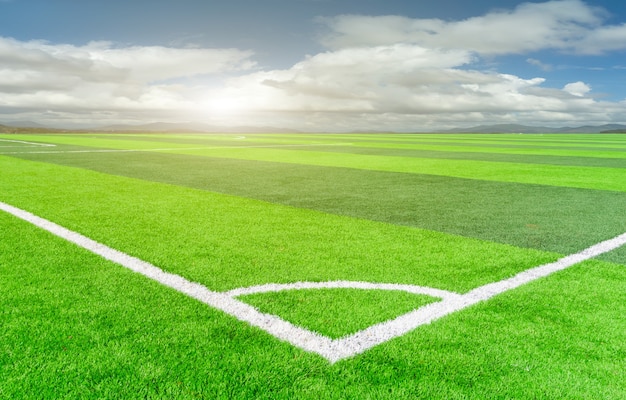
[(515, 128), (26, 126)]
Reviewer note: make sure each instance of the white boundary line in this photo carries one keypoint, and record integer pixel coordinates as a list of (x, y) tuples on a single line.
[(23, 142), (332, 350)]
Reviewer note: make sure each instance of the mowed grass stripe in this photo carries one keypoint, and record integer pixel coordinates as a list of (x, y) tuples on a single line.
[(554, 175), (586, 158), (608, 144), (221, 140), (520, 146), (602, 178), (588, 151), (226, 242), (573, 141), (590, 159), (597, 146), (155, 141), (558, 219)]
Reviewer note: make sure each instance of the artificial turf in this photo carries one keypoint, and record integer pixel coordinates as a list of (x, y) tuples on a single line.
[(227, 242), (337, 312), (77, 326), (560, 219)]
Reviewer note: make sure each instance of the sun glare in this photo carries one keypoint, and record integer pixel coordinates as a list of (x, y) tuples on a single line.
[(224, 106)]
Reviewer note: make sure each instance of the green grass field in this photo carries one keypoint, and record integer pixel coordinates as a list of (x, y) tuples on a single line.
[(449, 212)]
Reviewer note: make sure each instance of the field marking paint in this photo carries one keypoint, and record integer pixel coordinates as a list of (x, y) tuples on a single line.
[(331, 349), (278, 287), (24, 142), (166, 149)]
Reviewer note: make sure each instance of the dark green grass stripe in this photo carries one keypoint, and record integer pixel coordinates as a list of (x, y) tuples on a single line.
[(497, 157), (557, 219), (582, 152), (534, 146), (173, 139), (548, 141), (209, 140)]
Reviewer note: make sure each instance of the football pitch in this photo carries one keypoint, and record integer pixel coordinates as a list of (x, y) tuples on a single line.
[(313, 266)]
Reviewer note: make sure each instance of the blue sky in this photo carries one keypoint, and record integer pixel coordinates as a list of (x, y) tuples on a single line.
[(326, 65)]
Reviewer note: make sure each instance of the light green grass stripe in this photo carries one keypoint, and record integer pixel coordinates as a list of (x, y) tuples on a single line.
[(157, 141), (554, 175), (278, 138), (101, 141)]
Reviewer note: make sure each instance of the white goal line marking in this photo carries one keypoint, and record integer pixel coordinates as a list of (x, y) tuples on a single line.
[(24, 142), (331, 349)]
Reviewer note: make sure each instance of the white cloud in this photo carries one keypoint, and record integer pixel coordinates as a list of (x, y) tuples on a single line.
[(100, 76), (602, 40), (104, 61), (379, 73), (567, 25), (577, 88), (400, 87)]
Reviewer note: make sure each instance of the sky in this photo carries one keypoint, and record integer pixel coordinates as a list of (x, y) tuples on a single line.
[(313, 65)]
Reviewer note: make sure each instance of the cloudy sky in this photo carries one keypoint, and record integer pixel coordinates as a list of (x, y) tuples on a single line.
[(315, 65)]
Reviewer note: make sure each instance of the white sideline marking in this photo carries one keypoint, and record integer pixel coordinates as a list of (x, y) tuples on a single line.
[(166, 148), (23, 142), (331, 349)]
